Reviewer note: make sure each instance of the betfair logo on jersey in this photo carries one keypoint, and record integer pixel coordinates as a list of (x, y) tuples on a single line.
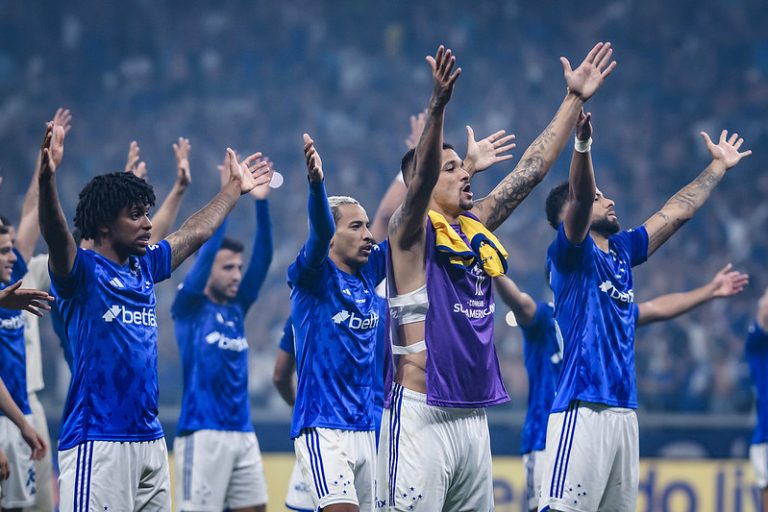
[(144, 316), (225, 343), (615, 294), (13, 323), (355, 322)]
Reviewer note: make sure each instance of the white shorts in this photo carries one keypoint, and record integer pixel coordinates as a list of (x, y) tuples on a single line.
[(43, 467), (592, 459), (340, 465), (758, 456), (533, 462), (433, 458), (217, 469), (299, 495), (111, 475), (20, 489)]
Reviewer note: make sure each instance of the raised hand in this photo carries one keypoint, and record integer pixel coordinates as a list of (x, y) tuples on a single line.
[(63, 118), (417, 127), (312, 158), (35, 441), (726, 150), (133, 164), (262, 190), (34, 301), (488, 151), (584, 126), (248, 174), (585, 80), (727, 282), (181, 150), (442, 65), (52, 149)]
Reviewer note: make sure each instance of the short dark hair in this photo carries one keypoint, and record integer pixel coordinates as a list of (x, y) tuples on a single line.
[(556, 200), (104, 196), (231, 244), (406, 163), (4, 230)]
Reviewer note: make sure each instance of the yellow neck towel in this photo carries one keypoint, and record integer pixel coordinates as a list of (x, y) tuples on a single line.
[(483, 245)]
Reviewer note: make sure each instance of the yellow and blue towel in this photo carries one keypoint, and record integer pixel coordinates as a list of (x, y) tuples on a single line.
[(483, 244)]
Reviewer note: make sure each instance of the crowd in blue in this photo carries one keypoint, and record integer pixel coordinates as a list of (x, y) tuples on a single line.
[(256, 75)]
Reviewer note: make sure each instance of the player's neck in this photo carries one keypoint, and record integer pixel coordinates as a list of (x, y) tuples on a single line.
[(343, 265), (213, 296), (450, 218), (107, 250), (600, 240)]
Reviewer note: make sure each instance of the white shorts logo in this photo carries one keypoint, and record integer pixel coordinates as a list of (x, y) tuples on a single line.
[(144, 316)]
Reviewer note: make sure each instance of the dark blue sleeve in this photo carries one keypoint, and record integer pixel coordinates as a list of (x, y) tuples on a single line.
[(304, 275), (159, 257), (757, 339), (321, 225), (70, 285), (635, 313), (19, 267), (286, 341), (566, 255), (261, 257), (539, 322), (634, 243), (191, 290)]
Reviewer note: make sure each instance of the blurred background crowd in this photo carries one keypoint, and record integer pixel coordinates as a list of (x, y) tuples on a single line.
[(254, 75)]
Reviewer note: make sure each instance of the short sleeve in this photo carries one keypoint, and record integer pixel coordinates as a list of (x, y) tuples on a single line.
[(757, 339), (159, 257), (635, 313), (635, 243), (303, 275), (68, 286), (565, 255), (377, 262), (286, 340)]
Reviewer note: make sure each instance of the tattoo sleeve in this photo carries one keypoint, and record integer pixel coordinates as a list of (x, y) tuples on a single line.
[(681, 207)]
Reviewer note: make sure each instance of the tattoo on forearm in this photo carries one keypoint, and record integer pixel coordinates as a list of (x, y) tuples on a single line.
[(198, 228)]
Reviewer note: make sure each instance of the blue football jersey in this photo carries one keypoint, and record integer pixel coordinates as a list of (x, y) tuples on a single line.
[(543, 352), (109, 314), (336, 321), (594, 296), (13, 362), (757, 357), (286, 340)]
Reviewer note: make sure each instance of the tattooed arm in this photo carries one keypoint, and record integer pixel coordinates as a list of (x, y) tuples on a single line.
[(681, 207), (583, 82), (407, 225), (198, 228)]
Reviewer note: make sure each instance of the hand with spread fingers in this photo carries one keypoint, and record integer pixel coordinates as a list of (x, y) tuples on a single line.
[(491, 150), (417, 128), (34, 301), (728, 282), (252, 172), (262, 190), (442, 71), (585, 80), (181, 151), (726, 151), (134, 163)]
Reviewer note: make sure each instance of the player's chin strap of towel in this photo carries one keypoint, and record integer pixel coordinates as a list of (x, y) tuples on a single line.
[(483, 244)]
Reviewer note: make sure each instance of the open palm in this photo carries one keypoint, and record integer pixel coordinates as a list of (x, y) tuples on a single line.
[(727, 149), (585, 80)]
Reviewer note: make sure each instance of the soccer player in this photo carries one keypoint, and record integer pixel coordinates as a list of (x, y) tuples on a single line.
[(336, 315), (217, 457), (592, 454), (543, 352), (107, 300), (441, 296), (757, 356), (299, 495), (19, 443)]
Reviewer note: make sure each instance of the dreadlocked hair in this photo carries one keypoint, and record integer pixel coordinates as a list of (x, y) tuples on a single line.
[(104, 196)]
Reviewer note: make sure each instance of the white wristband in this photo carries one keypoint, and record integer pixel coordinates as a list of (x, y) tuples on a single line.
[(583, 146)]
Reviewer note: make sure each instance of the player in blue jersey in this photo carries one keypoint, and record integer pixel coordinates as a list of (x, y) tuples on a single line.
[(592, 439), (336, 315), (217, 457), (107, 301), (19, 489), (543, 353), (757, 356), (299, 495)]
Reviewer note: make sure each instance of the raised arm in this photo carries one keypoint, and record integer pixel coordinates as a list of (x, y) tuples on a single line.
[(169, 210), (407, 226), (28, 230), (61, 246), (261, 255), (681, 207), (521, 304), (726, 283), (12, 411), (321, 225), (581, 184), (242, 177), (583, 82)]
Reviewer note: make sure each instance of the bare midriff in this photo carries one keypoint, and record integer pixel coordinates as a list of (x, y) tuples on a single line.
[(411, 368)]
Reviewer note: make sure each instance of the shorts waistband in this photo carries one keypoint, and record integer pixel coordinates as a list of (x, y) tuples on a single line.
[(409, 393)]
